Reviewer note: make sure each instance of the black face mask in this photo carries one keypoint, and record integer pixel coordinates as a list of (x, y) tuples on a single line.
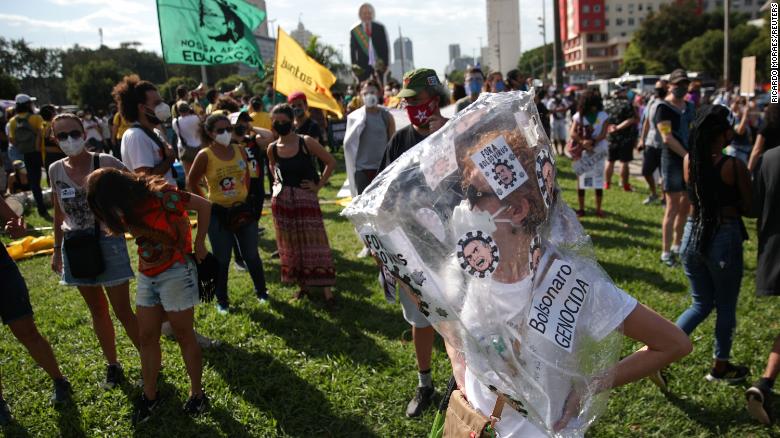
[(240, 130), (282, 128), (660, 92), (298, 112)]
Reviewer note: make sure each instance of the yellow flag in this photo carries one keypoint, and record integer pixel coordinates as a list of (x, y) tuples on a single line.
[(297, 71)]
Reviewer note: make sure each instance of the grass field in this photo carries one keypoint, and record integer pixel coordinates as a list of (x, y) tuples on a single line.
[(296, 370)]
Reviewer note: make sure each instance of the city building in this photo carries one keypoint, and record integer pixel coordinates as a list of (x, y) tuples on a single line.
[(301, 35), (262, 30), (403, 57), (749, 7), (457, 62), (596, 33), (503, 26), (454, 51)]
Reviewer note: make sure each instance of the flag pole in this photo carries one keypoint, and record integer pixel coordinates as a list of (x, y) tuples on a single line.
[(276, 55)]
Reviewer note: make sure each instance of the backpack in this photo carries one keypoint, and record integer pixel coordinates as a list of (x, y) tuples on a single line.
[(24, 135)]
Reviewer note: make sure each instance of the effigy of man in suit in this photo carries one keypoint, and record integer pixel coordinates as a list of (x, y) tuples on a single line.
[(368, 45)]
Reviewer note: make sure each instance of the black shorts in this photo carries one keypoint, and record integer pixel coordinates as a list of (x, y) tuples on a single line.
[(623, 153), (651, 160), (14, 297)]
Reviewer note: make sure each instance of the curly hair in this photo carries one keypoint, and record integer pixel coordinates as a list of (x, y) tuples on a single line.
[(591, 98), (227, 103), (129, 93), (116, 197)]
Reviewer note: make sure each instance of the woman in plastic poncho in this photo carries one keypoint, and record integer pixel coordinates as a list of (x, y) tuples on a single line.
[(498, 316)]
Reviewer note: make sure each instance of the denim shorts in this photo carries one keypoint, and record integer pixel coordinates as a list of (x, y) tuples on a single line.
[(672, 171), (176, 288), (115, 259)]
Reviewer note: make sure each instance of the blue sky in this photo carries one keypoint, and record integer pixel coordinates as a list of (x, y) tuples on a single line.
[(431, 25)]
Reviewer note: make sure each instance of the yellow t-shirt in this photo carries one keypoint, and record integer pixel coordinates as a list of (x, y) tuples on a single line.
[(36, 123), (261, 119), (121, 125), (226, 179)]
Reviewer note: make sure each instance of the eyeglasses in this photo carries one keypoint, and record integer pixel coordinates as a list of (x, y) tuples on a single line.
[(222, 130), (62, 136)]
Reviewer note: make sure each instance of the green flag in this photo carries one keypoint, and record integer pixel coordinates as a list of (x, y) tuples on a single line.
[(210, 32)]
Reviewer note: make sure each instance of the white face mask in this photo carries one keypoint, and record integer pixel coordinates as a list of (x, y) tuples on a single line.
[(162, 111), (224, 138), (371, 100), (465, 219), (72, 146)]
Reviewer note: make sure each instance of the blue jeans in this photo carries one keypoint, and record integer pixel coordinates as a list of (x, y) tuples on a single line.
[(715, 278), (222, 244)]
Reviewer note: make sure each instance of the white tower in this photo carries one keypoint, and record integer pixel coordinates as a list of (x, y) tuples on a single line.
[(503, 27)]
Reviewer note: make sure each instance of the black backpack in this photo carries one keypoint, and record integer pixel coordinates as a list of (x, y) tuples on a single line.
[(24, 135)]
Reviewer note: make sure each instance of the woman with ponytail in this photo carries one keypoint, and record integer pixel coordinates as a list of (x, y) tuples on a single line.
[(719, 191)]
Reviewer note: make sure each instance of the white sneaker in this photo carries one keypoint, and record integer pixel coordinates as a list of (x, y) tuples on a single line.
[(363, 253)]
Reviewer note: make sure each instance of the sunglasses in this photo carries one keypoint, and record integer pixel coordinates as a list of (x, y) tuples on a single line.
[(62, 136), (222, 130), (473, 195)]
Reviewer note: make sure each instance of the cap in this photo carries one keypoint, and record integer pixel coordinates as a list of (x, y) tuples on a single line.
[(295, 95), (19, 164), (677, 76), (417, 80), (22, 98)]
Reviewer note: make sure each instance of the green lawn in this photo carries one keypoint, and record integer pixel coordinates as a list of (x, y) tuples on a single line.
[(296, 370)]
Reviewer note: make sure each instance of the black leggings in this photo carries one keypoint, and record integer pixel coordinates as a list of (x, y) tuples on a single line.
[(34, 164)]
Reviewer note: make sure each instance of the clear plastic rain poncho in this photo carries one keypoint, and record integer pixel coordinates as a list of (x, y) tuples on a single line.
[(471, 222)]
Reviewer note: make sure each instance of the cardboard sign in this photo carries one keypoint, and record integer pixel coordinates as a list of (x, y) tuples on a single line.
[(500, 167), (747, 78)]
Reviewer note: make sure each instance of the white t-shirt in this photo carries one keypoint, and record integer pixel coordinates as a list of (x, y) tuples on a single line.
[(598, 126), (544, 386), (138, 150), (188, 128), (92, 129)]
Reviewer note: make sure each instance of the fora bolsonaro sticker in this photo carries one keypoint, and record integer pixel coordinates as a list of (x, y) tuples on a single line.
[(478, 254), (500, 167), (557, 304), (545, 176)]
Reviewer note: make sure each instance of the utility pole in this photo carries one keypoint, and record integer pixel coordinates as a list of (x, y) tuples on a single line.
[(557, 52), (203, 76), (726, 13), (543, 32), (100, 32), (498, 44), (403, 55)]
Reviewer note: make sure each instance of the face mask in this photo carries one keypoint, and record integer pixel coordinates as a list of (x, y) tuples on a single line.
[(630, 95), (660, 92), (500, 86), (465, 218), (298, 112), (474, 87), (72, 146), (679, 92), (224, 138), (419, 114), (370, 100), (282, 128)]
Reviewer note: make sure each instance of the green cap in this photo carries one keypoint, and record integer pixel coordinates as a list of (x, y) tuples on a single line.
[(417, 80)]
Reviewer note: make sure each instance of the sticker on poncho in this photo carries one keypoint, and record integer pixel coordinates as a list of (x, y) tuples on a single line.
[(535, 254), (439, 164), (545, 176), (478, 254), (557, 304), (500, 167)]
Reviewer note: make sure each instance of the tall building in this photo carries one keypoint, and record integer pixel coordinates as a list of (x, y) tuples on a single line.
[(454, 52), (503, 26), (402, 48), (403, 55), (749, 7), (301, 35), (596, 33)]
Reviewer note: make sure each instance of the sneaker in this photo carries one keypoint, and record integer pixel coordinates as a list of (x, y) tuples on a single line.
[(650, 200), (759, 404), (223, 308), (606, 185), (196, 404), (669, 260), (627, 188), (363, 253), (62, 391), (113, 376), (240, 265), (580, 213), (263, 299), (5, 413), (422, 399), (260, 231), (144, 408), (660, 380), (733, 374), (205, 341)]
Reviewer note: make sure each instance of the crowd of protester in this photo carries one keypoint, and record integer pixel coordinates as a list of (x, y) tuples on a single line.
[(141, 167)]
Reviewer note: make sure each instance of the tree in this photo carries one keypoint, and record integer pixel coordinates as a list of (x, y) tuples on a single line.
[(36, 71), (9, 86), (759, 48), (532, 64), (705, 52), (90, 84), (168, 89)]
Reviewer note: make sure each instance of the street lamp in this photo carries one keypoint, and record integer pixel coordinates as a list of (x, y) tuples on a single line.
[(543, 32)]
